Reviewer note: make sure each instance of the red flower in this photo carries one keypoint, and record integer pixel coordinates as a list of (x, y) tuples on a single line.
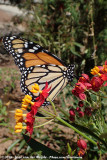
[(80, 87), (39, 100), (72, 112), (81, 153), (79, 90), (29, 128), (106, 62), (82, 96), (74, 92), (82, 144), (100, 69), (104, 77), (85, 81), (96, 83), (88, 85), (30, 121), (84, 78), (43, 95), (81, 114), (105, 84), (81, 104), (88, 111), (78, 109), (72, 118), (45, 91)]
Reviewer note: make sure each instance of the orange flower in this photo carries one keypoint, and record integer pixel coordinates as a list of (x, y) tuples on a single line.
[(19, 127), (81, 153), (26, 102), (35, 88), (19, 115), (95, 71)]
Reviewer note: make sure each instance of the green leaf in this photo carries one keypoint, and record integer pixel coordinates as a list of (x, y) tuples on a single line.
[(36, 146), (13, 144), (28, 149), (78, 44), (3, 124), (21, 144), (69, 149), (74, 52), (5, 140)]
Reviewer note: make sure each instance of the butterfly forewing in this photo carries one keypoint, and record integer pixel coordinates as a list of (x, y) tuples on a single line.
[(27, 54)]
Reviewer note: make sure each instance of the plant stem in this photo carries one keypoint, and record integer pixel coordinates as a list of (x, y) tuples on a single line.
[(43, 124), (53, 106), (66, 115), (41, 109)]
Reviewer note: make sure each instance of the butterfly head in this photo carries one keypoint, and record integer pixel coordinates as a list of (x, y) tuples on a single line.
[(70, 72)]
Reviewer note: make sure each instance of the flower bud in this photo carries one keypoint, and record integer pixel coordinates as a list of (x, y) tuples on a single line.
[(82, 144), (72, 112), (81, 104), (81, 114)]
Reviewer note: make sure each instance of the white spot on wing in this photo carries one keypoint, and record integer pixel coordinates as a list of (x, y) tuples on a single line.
[(26, 45), (20, 50), (11, 38), (31, 50), (35, 48)]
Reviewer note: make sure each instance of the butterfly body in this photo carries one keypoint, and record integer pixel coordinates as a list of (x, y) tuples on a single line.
[(37, 65)]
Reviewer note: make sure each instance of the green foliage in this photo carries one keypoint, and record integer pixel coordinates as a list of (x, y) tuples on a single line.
[(3, 114), (74, 30)]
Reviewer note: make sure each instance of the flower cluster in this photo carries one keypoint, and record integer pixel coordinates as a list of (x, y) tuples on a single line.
[(84, 83), (80, 111), (27, 103), (82, 147)]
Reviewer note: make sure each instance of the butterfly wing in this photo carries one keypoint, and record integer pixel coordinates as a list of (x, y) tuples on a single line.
[(39, 74), (27, 54), (37, 66)]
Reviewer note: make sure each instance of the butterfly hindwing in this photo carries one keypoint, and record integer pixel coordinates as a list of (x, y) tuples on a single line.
[(41, 74)]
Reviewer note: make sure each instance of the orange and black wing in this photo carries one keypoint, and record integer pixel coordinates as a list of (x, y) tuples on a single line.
[(27, 54), (37, 66)]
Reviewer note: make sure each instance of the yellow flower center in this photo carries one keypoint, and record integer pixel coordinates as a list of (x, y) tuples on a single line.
[(35, 88), (19, 127), (27, 99), (95, 71), (26, 102), (19, 115)]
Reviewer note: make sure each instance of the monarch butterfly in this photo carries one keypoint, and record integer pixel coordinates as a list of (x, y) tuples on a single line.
[(38, 65)]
